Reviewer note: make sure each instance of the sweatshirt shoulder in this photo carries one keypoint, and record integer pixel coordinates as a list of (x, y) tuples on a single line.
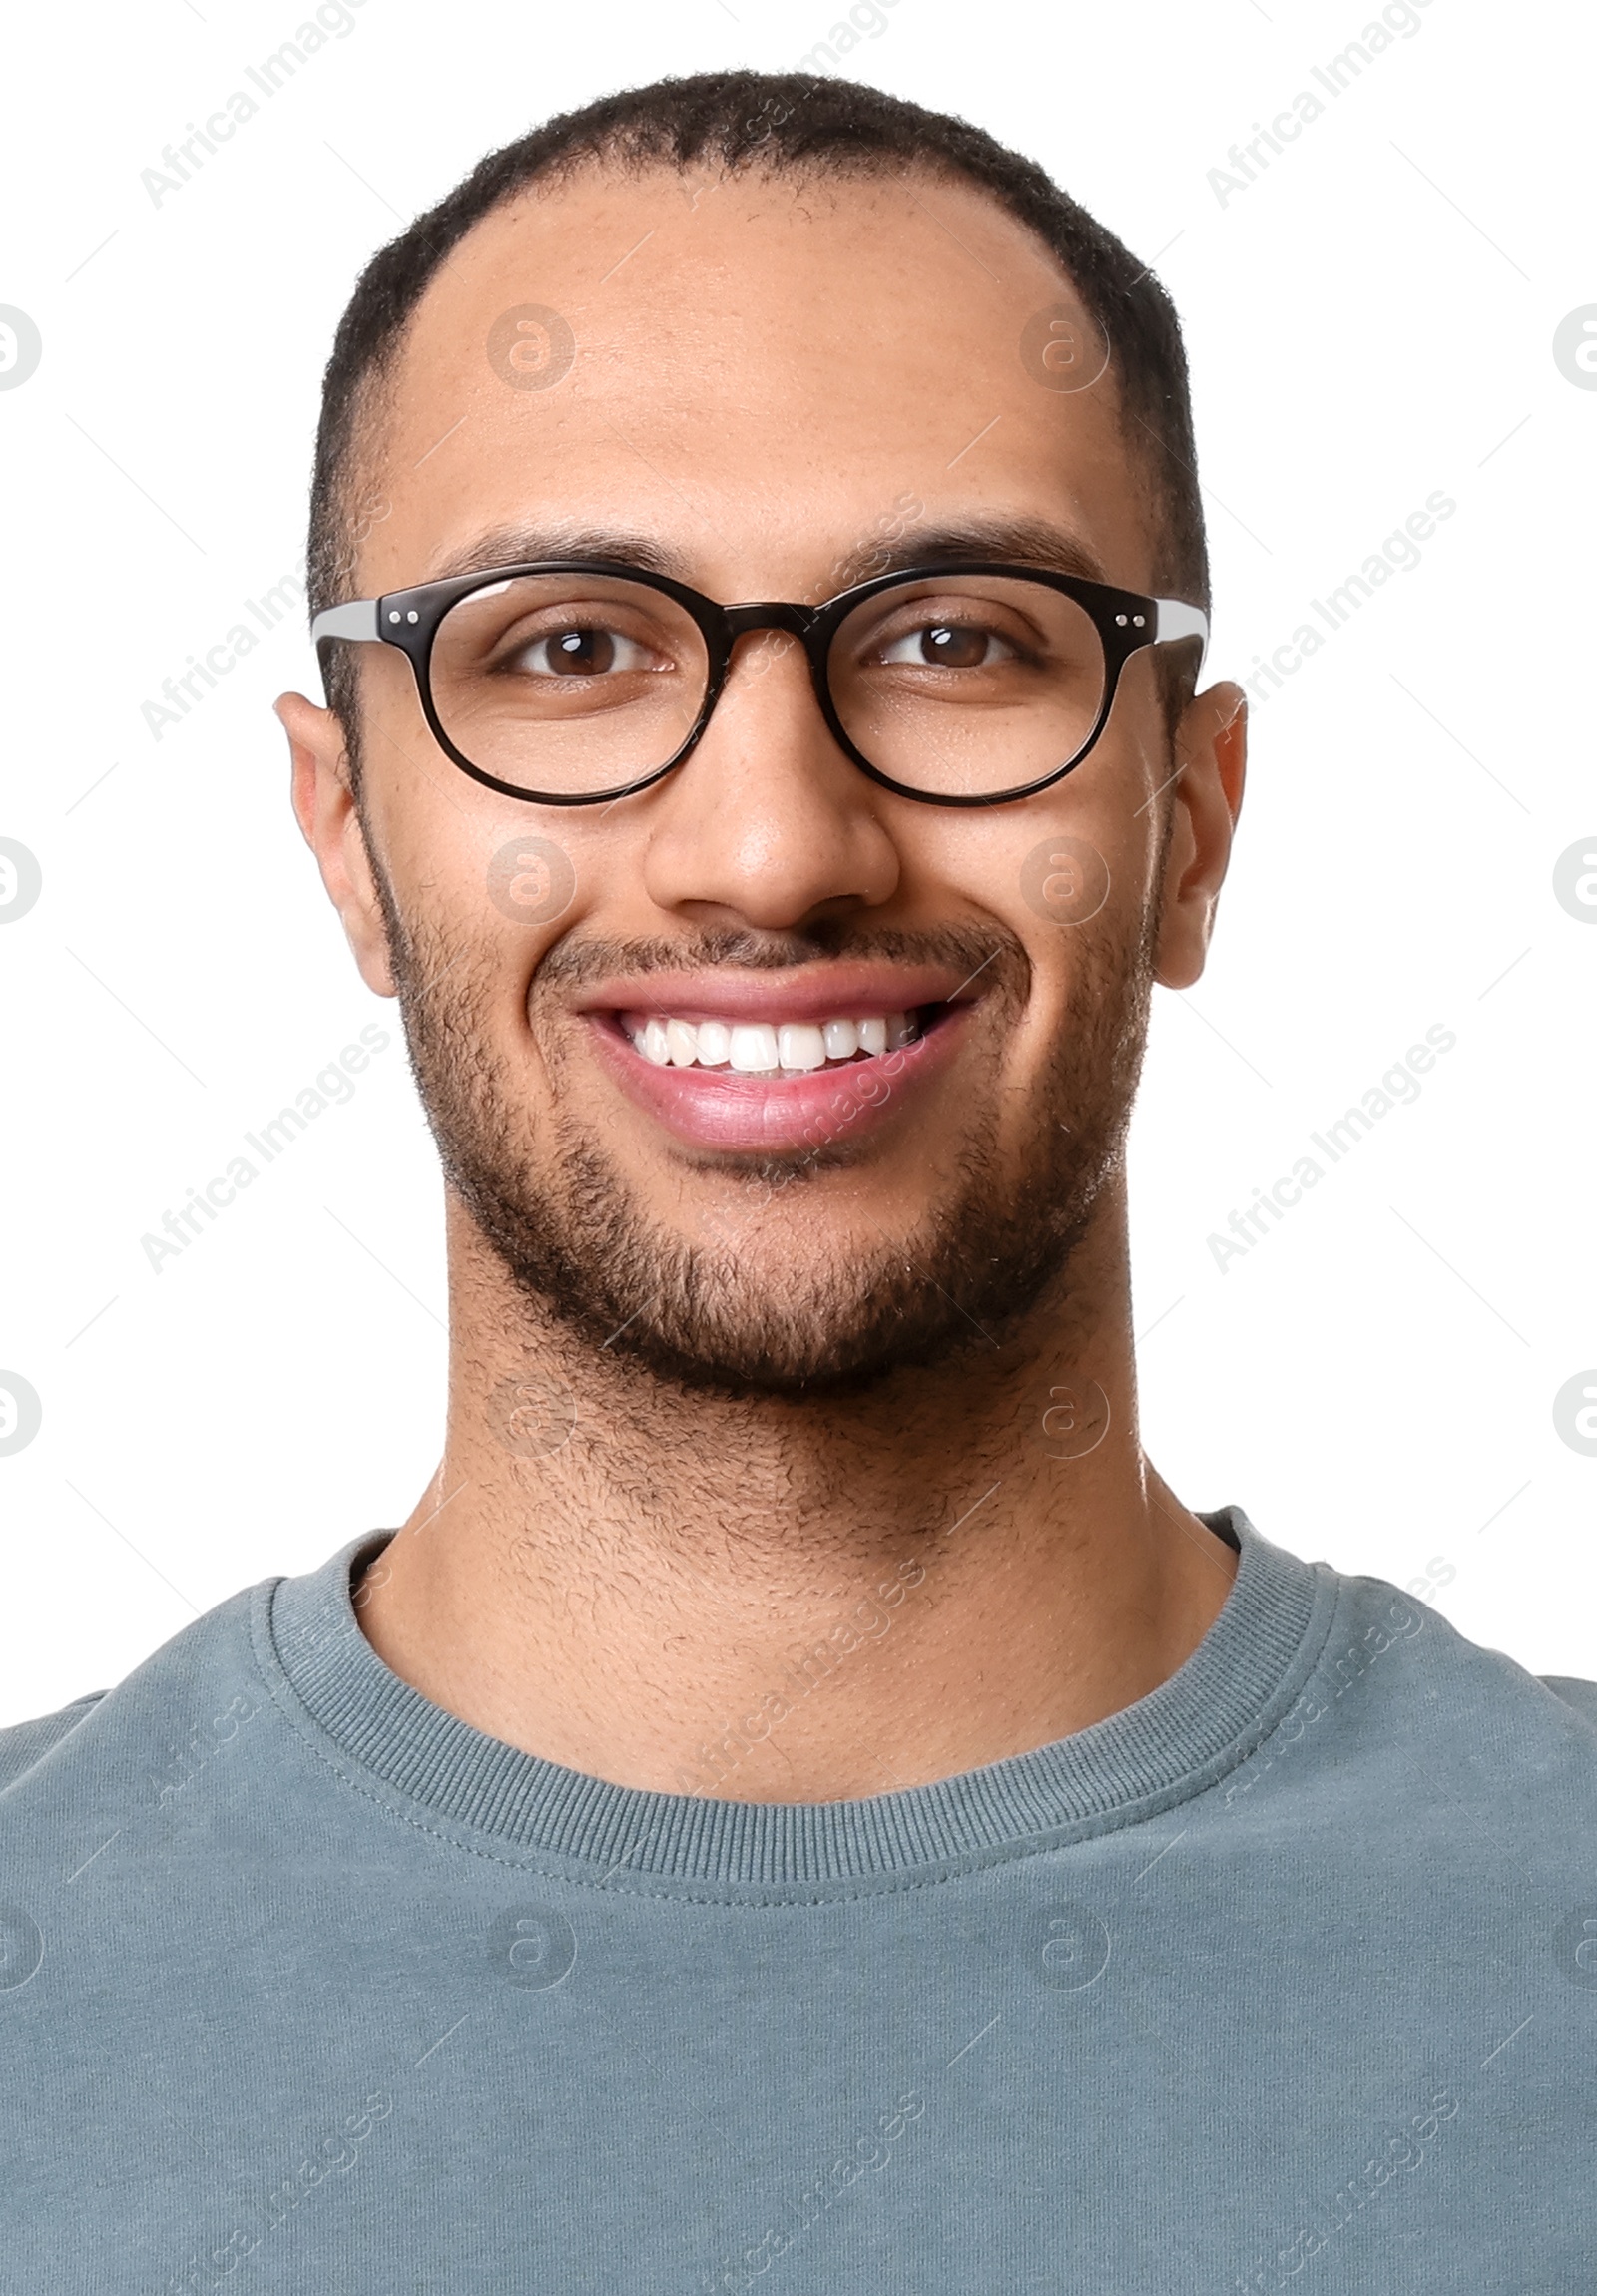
[(1582, 1697), (1452, 1682), (22, 1744), (148, 1717)]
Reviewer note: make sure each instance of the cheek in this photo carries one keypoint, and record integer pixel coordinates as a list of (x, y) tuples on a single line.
[(464, 968), (482, 886)]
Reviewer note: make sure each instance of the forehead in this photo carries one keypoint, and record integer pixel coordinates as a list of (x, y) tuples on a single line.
[(758, 370)]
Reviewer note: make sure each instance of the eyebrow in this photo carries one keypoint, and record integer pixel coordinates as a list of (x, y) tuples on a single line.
[(515, 545), (1009, 540)]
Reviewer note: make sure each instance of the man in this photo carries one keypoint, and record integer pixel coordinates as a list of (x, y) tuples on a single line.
[(800, 1795)]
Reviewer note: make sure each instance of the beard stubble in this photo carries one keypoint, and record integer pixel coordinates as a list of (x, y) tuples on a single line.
[(569, 1230)]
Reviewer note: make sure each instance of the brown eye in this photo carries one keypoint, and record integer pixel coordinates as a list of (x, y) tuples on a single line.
[(583, 652), (947, 646)]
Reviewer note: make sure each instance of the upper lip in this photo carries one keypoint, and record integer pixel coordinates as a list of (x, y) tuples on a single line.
[(833, 991)]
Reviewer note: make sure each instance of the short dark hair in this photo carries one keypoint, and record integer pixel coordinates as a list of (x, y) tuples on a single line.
[(784, 123)]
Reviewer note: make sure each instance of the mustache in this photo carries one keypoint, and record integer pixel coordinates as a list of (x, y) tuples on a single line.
[(989, 949)]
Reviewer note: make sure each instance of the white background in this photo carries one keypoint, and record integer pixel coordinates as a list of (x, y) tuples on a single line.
[(1368, 321)]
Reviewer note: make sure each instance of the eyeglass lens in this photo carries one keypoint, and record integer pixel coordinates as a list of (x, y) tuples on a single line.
[(957, 685)]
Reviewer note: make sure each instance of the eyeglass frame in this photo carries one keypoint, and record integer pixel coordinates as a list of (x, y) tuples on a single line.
[(409, 620)]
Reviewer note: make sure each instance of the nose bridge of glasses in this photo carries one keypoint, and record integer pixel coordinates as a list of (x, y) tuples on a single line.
[(766, 614)]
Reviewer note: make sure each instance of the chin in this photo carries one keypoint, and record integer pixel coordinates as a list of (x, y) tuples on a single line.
[(726, 1315)]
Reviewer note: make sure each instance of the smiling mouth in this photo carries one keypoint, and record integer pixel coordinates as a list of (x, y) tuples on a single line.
[(773, 1049)]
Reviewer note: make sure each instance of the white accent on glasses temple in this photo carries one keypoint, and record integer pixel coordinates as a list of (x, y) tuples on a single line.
[(357, 620), (1178, 620), (1175, 619)]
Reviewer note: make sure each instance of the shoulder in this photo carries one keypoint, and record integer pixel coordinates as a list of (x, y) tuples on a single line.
[(1582, 1696), (22, 1744), (1392, 1713), (180, 1712), (155, 1724), (1402, 1672)]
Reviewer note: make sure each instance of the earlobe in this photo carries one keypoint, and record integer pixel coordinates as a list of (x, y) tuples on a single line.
[(330, 821)]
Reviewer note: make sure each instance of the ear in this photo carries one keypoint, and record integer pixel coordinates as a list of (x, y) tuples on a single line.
[(1211, 746), (324, 803)]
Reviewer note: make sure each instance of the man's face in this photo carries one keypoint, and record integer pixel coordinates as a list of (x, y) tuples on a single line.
[(771, 383)]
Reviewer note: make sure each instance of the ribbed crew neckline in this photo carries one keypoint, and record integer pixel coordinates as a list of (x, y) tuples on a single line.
[(1185, 1734)]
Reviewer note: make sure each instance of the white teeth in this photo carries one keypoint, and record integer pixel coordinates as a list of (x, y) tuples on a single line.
[(753, 1047), (800, 1045)]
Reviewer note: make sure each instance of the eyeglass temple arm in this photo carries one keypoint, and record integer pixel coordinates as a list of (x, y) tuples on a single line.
[(360, 619), (1178, 620), (357, 620)]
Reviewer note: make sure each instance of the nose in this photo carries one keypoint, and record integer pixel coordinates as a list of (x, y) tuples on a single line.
[(768, 823)]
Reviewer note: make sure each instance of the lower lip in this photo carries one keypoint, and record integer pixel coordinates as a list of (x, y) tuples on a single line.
[(721, 1109)]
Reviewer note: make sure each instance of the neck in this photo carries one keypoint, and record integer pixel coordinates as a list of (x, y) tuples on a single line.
[(792, 1599)]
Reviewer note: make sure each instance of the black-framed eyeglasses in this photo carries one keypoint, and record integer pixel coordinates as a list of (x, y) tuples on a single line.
[(575, 681)]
